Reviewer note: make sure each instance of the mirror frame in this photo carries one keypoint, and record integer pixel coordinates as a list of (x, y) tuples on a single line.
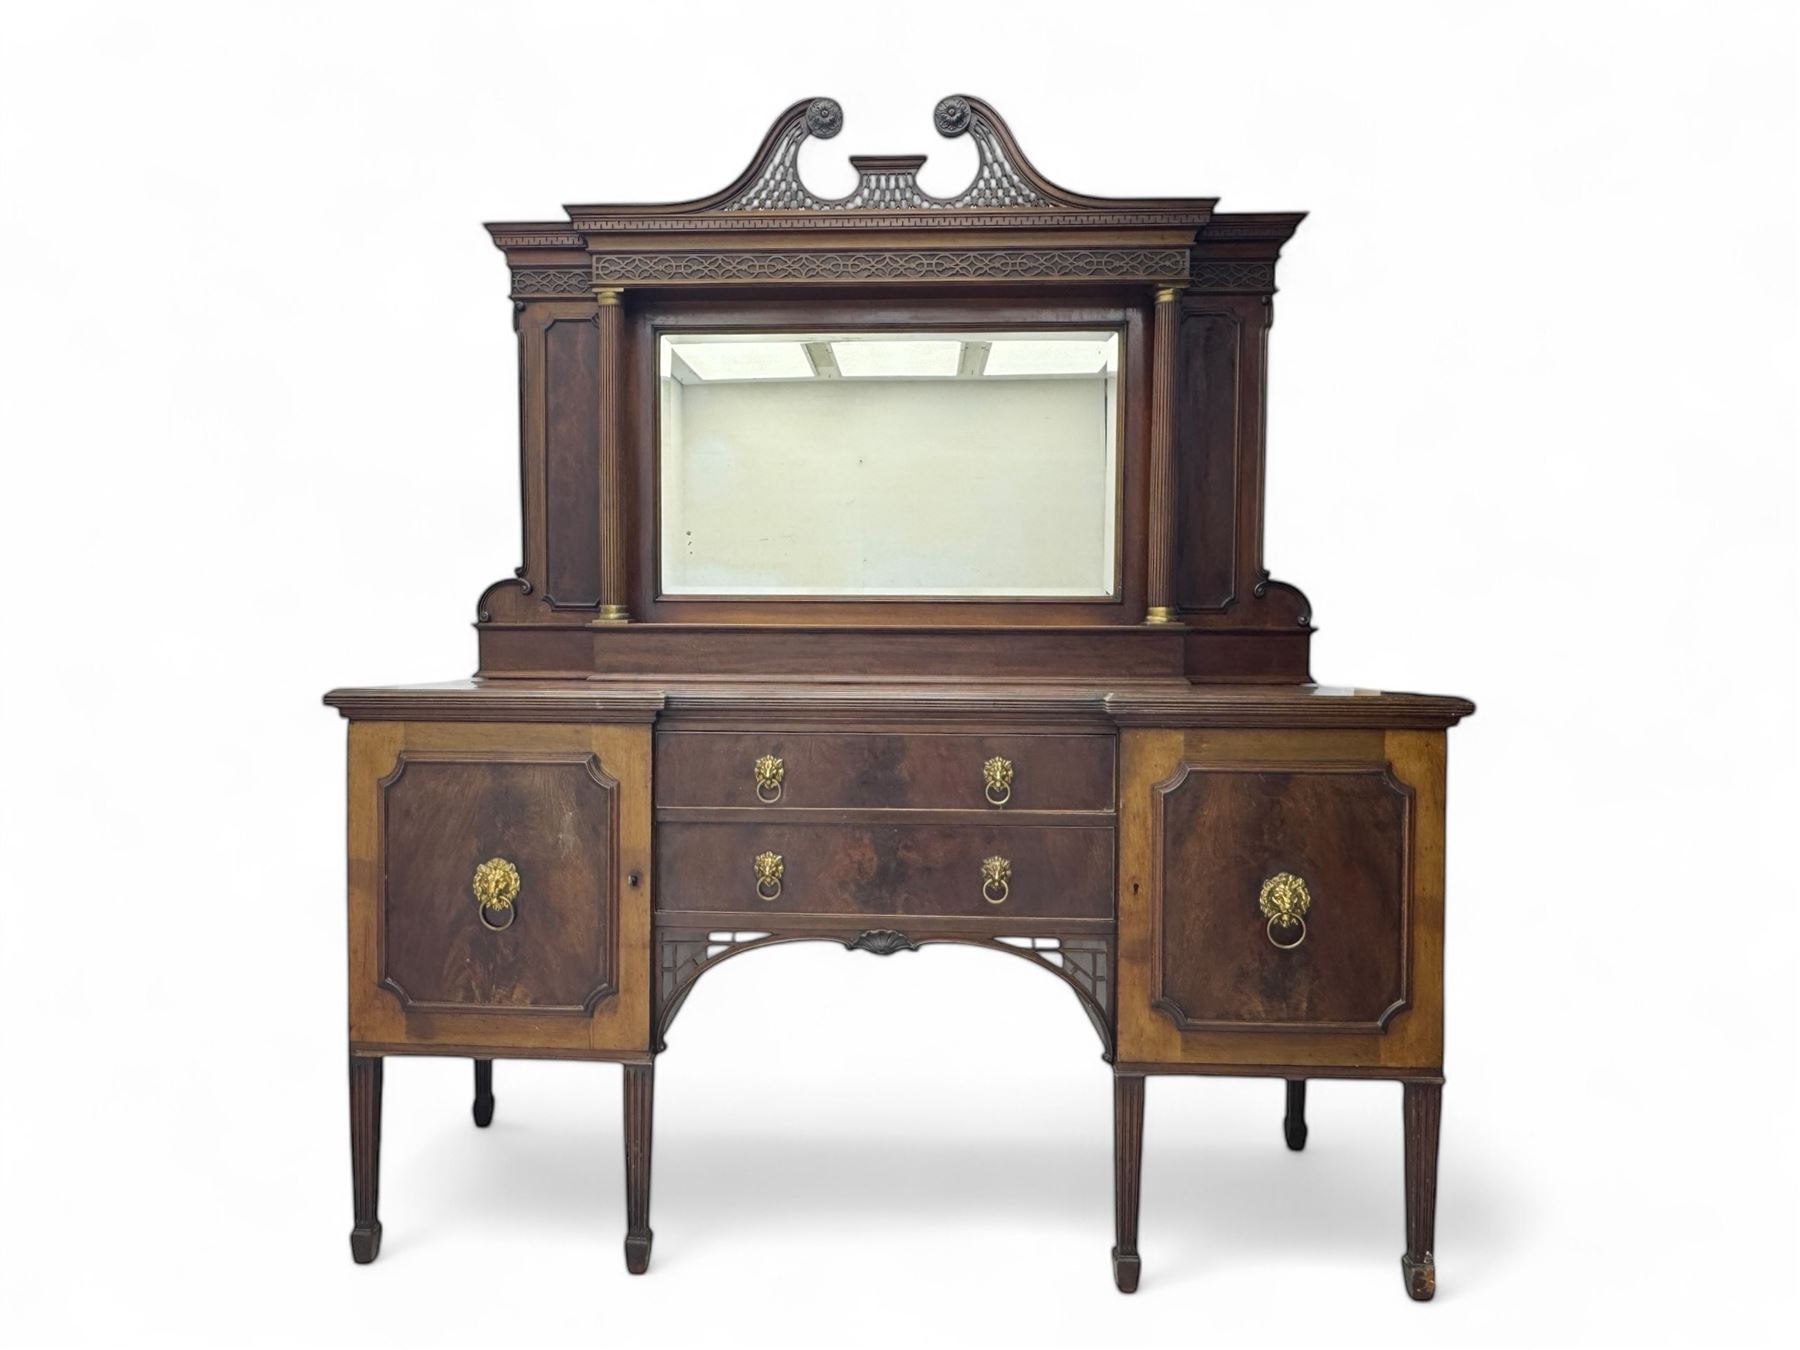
[(654, 517), (845, 311)]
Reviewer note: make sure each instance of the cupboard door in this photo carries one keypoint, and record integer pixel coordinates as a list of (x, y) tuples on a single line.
[(500, 888), (1281, 899)]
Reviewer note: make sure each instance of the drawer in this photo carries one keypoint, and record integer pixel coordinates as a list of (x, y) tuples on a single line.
[(1049, 871), (877, 770)]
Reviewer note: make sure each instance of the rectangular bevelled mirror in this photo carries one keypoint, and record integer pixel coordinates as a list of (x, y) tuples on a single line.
[(932, 464)]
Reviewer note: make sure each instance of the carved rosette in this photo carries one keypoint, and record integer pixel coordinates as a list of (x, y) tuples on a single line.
[(952, 115), (824, 118)]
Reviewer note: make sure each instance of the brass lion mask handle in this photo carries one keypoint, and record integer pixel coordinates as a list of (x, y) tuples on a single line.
[(997, 775), (768, 876), (768, 772), (996, 878), (1284, 900), (496, 886)]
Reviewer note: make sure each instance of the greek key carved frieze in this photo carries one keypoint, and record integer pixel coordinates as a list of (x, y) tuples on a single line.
[(524, 239)]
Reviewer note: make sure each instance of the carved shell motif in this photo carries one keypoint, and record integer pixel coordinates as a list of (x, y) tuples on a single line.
[(883, 942)]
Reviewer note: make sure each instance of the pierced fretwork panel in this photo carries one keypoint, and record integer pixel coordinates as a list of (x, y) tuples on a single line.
[(683, 954), (894, 186)]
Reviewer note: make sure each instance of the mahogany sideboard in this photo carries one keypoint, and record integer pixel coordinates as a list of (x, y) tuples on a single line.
[(893, 576)]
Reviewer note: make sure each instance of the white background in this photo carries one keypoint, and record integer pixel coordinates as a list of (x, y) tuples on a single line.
[(1532, 440)]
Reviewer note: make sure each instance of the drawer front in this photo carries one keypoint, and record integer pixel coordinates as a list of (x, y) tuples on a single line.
[(1284, 897), (533, 835), (1049, 871), (877, 770)]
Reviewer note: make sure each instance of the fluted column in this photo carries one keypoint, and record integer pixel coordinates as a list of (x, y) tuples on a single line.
[(1160, 600), (609, 317)]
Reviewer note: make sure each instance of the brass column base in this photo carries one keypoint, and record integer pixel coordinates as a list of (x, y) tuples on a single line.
[(1161, 614), (613, 614)]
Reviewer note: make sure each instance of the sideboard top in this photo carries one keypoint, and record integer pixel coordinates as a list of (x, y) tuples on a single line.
[(1162, 703)]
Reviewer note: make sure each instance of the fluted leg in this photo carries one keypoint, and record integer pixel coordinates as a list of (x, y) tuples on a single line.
[(1421, 1107), (484, 1092), (640, 1083), (1293, 1125), (365, 1155), (1128, 1167)]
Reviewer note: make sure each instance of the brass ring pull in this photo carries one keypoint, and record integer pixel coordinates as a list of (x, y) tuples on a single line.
[(1284, 899), (996, 875), (768, 876), (496, 886), (768, 772), (1287, 946), (997, 776)]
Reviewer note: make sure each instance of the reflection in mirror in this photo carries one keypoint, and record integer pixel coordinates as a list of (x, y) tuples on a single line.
[(924, 464)]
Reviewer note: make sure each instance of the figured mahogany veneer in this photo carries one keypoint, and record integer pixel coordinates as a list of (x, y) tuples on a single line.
[(1168, 759), (850, 770), (1222, 831), (892, 871), (554, 818)]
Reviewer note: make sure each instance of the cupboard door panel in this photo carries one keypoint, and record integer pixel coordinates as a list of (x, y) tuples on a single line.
[(1285, 897), (545, 829)]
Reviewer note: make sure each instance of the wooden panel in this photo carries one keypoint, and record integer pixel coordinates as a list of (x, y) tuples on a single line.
[(1223, 831), (571, 448), (1068, 773), (553, 817), (1206, 458), (1057, 871), (1413, 1037), (618, 1025)]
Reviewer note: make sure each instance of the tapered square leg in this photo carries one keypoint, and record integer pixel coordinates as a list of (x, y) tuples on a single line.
[(1293, 1125), (365, 1155), (640, 1084), (1128, 1160), (484, 1093), (1421, 1105)]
